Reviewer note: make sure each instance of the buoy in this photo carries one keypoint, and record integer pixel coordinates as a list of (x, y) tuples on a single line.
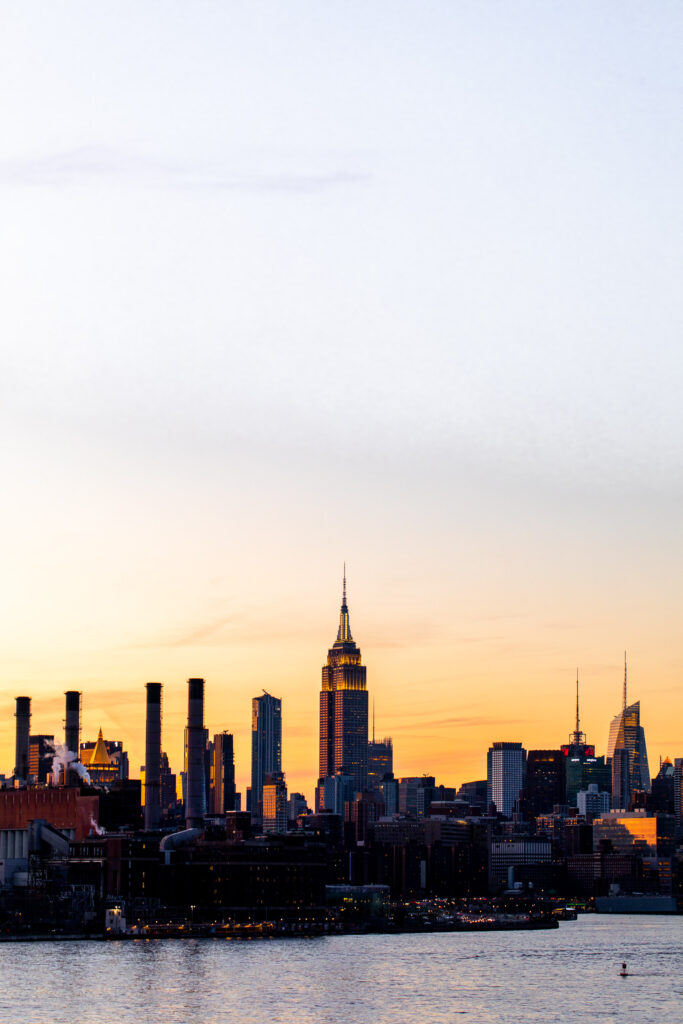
[(623, 973)]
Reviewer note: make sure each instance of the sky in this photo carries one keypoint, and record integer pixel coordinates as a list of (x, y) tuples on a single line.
[(288, 285)]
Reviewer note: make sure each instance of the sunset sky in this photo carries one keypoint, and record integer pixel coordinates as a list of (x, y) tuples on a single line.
[(284, 285)]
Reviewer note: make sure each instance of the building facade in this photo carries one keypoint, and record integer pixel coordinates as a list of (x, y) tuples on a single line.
[(344, 709), (380, 761), (275, 803), (266, 746), (223, 774), (505, 775), (627, 753)]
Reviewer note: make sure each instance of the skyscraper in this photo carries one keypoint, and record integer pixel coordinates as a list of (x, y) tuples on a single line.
[(505, 774), (223, 774), (344, 708), (274, 803), (545, 781), (266, 746), (627, 753), (380, 761)]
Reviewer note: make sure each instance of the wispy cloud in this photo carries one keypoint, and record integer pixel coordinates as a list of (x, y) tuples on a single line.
[(99, 164), (465, 721), (212, 631)]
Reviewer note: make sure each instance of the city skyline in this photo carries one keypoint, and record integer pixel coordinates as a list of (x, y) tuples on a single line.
[(304, 779), (395, 286)]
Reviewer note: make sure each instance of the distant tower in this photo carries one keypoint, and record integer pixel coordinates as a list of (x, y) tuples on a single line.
[(223, 773), (266, 746), (506, 775), (72, 724), (153, 757), (344, 708), (195, 806), (23, 717), (627, 753)]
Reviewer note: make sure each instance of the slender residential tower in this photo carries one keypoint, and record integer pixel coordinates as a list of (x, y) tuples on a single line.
[(72, 725), (195, 808), (266, 746), (153, 757), (344, 708), (23, 717)]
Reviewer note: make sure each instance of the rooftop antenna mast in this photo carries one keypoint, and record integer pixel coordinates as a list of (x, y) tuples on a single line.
[(624, 681), (373, 719), (578, 730)]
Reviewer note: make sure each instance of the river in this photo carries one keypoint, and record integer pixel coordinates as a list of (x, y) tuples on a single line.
[(556, 977)]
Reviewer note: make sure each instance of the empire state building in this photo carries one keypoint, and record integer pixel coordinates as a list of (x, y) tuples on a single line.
[(344, 708)]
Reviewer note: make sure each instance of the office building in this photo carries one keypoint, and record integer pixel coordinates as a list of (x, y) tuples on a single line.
[(266, 746), (105, 760), (223, 774), (114, 748), (678, 796), (344, 708), (505, 775), (380, 762), (274, 797), (591, 802), (627, 754), (41, 750), (545, 781)]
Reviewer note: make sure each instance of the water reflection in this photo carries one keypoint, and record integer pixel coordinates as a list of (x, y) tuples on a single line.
[(510, 978)]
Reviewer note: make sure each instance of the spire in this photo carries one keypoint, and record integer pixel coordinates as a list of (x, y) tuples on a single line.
[(100, 754), (344, 631), (624, 708), (578, 730)]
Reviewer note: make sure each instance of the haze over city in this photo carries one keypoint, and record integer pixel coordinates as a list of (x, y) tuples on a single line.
[(284, 287)]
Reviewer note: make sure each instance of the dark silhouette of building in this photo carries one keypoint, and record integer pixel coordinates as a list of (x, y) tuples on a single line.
[(223, 774), (266, 746), (545, 781), (153, 756), (380, 761), (195, 755), (344, 708), (23, 717)]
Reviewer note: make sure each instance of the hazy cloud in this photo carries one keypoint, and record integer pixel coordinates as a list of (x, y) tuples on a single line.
[(93, 164)]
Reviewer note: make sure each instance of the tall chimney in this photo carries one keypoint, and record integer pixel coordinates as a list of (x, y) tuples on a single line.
[(23, 717), (195, 808), (72, 731), (153, 757)]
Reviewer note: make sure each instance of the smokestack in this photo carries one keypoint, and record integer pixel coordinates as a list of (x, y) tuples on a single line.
[(153, 757), (195, 808), (72, 731), (23, 717)]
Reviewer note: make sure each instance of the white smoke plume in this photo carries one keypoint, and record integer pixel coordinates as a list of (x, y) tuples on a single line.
[(94, 827), (63, 761)]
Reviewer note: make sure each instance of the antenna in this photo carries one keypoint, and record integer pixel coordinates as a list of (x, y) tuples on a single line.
[(577, 703), (344, 591), (624, 680), (373, 719)]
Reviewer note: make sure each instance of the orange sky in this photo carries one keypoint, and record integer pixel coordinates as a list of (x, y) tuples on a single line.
[(415, 305)]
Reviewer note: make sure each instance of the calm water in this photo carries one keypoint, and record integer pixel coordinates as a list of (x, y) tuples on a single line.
[(569, 975)]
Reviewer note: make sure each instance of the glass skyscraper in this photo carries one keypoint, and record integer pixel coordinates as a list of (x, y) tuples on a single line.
[(266, 746), (627, 754), (505, 775), (344, 709)]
